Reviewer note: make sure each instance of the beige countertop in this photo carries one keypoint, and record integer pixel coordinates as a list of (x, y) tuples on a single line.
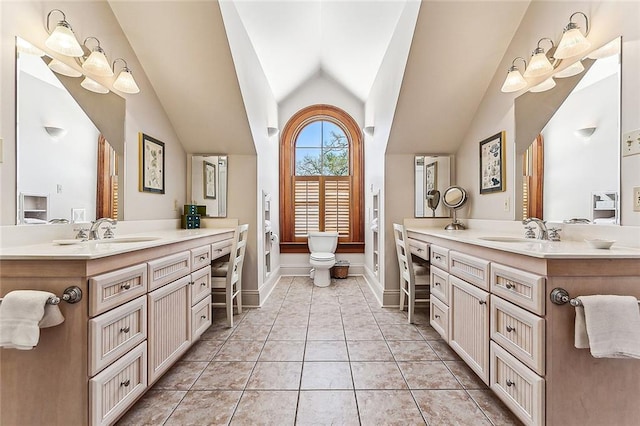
[(534, 247), (102, 248)]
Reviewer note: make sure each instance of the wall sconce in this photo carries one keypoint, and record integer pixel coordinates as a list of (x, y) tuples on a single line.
[(62, 39), (548, 84), (272, 131), (514, 80), (609, 49), (97, 62), (125, 82), (55, 132), (539, 64), (573, 42), (64, 69), (585, 132), (369, 130), (93, 86), (27, 48)]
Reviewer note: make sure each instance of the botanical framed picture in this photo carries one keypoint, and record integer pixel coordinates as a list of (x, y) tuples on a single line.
[(151, 164), (431, 176), (209, 177), (492, 164)]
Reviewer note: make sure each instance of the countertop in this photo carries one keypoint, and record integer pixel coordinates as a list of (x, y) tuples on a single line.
[(102, 248), (534, 247)]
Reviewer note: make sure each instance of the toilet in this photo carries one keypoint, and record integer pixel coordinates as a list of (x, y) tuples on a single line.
[(322, 246)]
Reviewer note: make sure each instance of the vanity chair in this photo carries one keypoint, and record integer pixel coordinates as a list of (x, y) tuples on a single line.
[(226, 276), (414, 277)]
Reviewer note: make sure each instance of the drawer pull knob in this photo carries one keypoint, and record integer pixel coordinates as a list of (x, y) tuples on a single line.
[(126, 383), (203, 284), (482, 302), (510, 383), (126, 286), (436, 257), (436, 316), (420, 249), (510, 329), (437, 283), (192, 283), (203, 317), (125, 329), (203, 258), (218, 250), (510, 285)]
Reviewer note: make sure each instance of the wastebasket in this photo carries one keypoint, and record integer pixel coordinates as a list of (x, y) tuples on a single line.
[(340, 269)]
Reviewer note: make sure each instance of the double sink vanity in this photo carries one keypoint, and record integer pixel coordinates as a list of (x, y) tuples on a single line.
[(490, 302), (145, 301)]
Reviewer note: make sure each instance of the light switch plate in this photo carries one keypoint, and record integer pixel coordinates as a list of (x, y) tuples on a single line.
[(631, 143), (636, 199)]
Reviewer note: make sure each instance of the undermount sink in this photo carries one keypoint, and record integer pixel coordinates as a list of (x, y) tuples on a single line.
[(507, 239), (119, 240)]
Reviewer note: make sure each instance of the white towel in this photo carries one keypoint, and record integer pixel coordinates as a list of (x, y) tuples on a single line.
[(612, 325), (22, 313), (267, 226)]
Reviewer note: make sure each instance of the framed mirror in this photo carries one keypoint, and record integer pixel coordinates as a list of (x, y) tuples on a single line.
[(70, 146), (432, 177), (209, 175)]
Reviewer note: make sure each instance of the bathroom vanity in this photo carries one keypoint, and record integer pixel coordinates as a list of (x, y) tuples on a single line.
[(490, 302), (144, 303)]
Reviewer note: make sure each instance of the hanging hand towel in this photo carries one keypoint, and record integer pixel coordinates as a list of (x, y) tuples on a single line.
[(613, 325), (21, 314)]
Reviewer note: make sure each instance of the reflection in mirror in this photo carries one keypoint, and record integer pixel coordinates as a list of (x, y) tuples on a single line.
[(209, 183), (571, 170), (432, 177), (66, 168), (454, 198)]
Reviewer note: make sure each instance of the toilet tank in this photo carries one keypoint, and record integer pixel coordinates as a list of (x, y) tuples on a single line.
[(322, 242)]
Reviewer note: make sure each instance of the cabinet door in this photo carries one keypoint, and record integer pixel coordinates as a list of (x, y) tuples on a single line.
[(469, 325), (169, 325)]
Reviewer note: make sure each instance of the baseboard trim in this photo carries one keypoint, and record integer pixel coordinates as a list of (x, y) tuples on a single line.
[(255, 298), (373, 283), (355, 269)]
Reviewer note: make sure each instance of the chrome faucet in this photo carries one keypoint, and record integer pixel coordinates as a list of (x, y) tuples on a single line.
[(543, 234), (95, 225)]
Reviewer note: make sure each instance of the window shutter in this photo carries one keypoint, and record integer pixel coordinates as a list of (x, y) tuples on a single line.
[(306, 206), (337, 201)]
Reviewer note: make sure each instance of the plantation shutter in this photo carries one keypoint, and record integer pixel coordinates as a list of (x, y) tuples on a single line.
[(336, 205), (306, 201)]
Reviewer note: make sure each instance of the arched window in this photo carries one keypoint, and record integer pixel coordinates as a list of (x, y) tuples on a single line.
[(321, 179)]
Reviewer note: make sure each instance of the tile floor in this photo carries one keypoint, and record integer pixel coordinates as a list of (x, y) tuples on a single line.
[(320, 356)]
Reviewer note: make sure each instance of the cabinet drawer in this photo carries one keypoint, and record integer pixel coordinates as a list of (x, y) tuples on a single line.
[(518, 331), (471, 269), (200, 257), (221, 248), (200, 318), (439, 320), (522, 288), (419, 248), (114, 333), (116, 388), (200, 284), (112, 289), (169, 268), (439, 257), (439, 284), (519, 388)]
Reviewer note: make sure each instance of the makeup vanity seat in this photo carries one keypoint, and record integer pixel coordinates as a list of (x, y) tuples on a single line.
[(144, 304), (490, 302)]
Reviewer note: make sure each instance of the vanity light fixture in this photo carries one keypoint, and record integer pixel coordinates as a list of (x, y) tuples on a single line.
[(609, 49), (573, 69), (64, 69), (124, 82), (272, 131), (93, 86), (27, 48), (548, 84), (573, 42), (514, 80), (97, 62), (61, 39), (55, 132), (539, 64)]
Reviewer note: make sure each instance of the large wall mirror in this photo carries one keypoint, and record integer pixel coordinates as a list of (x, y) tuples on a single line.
[(568, 139), (70, 146), (432, 177), (209, 176)]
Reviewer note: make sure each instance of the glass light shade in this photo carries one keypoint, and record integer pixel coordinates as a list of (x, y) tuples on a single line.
[(125, 82), (609, 49), (55, 132), (513, 82), (544, 86), (538, 65), (62, 40), (93, 86), (573, 69), (97, 64), (28, 48), (573, 43), (64, 69)]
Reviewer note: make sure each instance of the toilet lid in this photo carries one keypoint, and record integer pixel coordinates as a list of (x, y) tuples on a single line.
[(323, 256)]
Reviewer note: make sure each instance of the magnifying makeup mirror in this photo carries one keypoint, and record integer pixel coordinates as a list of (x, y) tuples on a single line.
[(433, 199), (454, 197)]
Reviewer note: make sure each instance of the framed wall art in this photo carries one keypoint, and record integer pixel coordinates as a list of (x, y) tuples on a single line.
[(431, 176), (151, 164), (492, 164), (209, 177)]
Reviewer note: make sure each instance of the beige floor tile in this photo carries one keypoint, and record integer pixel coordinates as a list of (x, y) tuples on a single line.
[(327, 408), (363, 333), (203, 350), (428, 375), (395, 316), (361, 319), (205, 408), (325, 333), (388, 407), (217, 332), (326, 375), (465, 375), (153, 408), (400, 332), (229, 375), (369, 350), (288, 332), (239, 350), (276, 408), (333, 320), (410, 350), (181, 376), (493, 408), (250, 332), (377, 375), (275, 376), (449, 407), (283, 350), (262, 317), (326, 350), (443, 350), (428, 332)]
